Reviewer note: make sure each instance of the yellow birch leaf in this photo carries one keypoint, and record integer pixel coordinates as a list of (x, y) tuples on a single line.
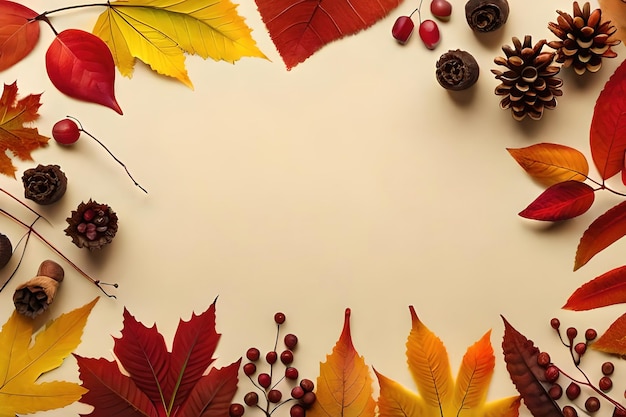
[(551, 163), (344, 386), (160, 32), (22, 364)]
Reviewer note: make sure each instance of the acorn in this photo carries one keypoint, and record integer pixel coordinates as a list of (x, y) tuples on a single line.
[(6, 250), (35, 296)]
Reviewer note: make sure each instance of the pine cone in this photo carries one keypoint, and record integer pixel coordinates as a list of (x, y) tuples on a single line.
[(92, 225), (584, 39), (529, 85)]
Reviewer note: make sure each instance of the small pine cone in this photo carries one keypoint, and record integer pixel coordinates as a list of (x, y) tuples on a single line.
[(584, 39), (92, 225), (529, 85), (44, 184)]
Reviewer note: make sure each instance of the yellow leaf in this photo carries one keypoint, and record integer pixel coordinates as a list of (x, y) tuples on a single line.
[(344, 387), (160, 32), (550, 163), (397, 401), (22, 364)]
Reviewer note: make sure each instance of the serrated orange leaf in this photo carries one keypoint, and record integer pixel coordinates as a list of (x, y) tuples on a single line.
[(603, 232), (613, 340), (22, 362), (550, 163), (344, 386), (160, 32), (604, 290)]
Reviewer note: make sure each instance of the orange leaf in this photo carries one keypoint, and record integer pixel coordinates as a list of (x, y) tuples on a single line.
[(604, 231), (472, 382), (14, 137), (561, 201), (550, 163), (344, 387), (613, 340), (397, 401), (604, 290), (19, 33)]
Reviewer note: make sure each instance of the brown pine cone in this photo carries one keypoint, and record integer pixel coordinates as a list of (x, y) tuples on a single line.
[(584, 39), (92, 225), (529, 84), (44, 184)]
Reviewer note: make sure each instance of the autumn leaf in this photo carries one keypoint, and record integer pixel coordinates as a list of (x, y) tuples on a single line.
[(601, 233), (23, 361), (438, 393), (561, 201), (301, 28), (608, 126), (520, 355), (550, 163), (604, 290), (157, 382), (613, 340), (160, 32), (344, 386), (19, 33), (14, 136)]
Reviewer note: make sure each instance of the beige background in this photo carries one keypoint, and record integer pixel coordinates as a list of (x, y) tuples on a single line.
[(353, 180)]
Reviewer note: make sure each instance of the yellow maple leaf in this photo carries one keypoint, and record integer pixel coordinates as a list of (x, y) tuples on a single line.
[(23, 362), (438, 393), (160, 32)]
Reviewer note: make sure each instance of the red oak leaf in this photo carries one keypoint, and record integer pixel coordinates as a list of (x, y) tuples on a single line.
[(159, 382), (18, 33), (608, 126), (561, 201), (81, 65), (604, 290), (300, 28)]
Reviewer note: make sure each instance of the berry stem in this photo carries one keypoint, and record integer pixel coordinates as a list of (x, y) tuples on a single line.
[(588, 384)]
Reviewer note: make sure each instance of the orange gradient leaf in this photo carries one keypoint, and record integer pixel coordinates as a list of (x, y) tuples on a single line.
[(604, 290), (19, 33), (397, 401), (472, 382), (604, 231), (613, 340), (561, 201), (344, 387), (550, 163)]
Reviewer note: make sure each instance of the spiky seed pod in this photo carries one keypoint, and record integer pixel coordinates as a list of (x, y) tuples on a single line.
[(584, 39), (529, 84)]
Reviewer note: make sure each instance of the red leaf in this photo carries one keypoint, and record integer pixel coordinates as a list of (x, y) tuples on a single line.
[(300, 28), (604, 290), (520, 355), (613, 340), (213, 393), (561, 201), (80, 65), (604, 231), (18, 33), (608, 126), (116, 394)]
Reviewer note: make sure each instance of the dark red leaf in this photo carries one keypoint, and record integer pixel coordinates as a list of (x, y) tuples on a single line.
[(213, 393), (520, 355), (18, 33), (80, 65), (300, 28), (604, 231), (114, 393), (561, 201), (608, 126), (604, 290)]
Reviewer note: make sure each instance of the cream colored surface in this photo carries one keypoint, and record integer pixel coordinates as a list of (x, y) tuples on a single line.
[(353, 180)]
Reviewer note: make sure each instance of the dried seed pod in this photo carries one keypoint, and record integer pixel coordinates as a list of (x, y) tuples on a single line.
[(44, 184), (92, 225), (486, 15), (6, 250), (457, 70), (35, 296)]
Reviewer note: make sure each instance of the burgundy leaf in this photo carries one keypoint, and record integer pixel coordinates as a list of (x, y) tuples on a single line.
[(604, 290), (19, 33), (81, 65), (213, 393), (608, 126), (561, 201), (520, 355), (604, 231)]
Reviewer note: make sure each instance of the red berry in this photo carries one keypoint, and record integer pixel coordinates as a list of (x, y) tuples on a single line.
[(308, 399), (279, 318), (592, 404), (580, 348), (402, 29), (65, 132), (569, 411), (571, 333), (286, 357), (236, 410), (555, 323), (307, 385), (605, 383), (297, 410), (253, 354), (291, 340), (271, 357), (265, 380), (572, 391), (555, 392), (552, 373), (274, 396), (608, 368), (251, 399), (297, 392), (543, 359), (291, 373), (591, 334), (429, 33), (249, 368), (441, 9)]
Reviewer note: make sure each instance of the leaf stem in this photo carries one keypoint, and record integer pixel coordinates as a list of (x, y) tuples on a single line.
[(43, 15)]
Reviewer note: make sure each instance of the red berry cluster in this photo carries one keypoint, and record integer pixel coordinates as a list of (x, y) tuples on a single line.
[(428, 29), (301, 393), (574, 389)]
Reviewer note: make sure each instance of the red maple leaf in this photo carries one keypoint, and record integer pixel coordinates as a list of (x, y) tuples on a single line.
[(156, 382)]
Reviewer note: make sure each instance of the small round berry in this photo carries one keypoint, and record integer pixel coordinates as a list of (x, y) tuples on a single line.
[(279, 318), (291, 340), (251, 399), (571, 333), (297, 392), (552, 373), (65, 132), (265, 380), (619, 412), (291, 373), (402, 29), (543, 359), (592, 404), (608, 368), (572, 391), (590, 334), (429, 33), (253, 354), (580, 348), (605, 384), (286, 357), (236, 410), (297, 410), (555, 323), (555, 391), (271, 357), (307, 385), (441, 9), (308, 399), (249, 368), (569, 411), (274, 396)]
